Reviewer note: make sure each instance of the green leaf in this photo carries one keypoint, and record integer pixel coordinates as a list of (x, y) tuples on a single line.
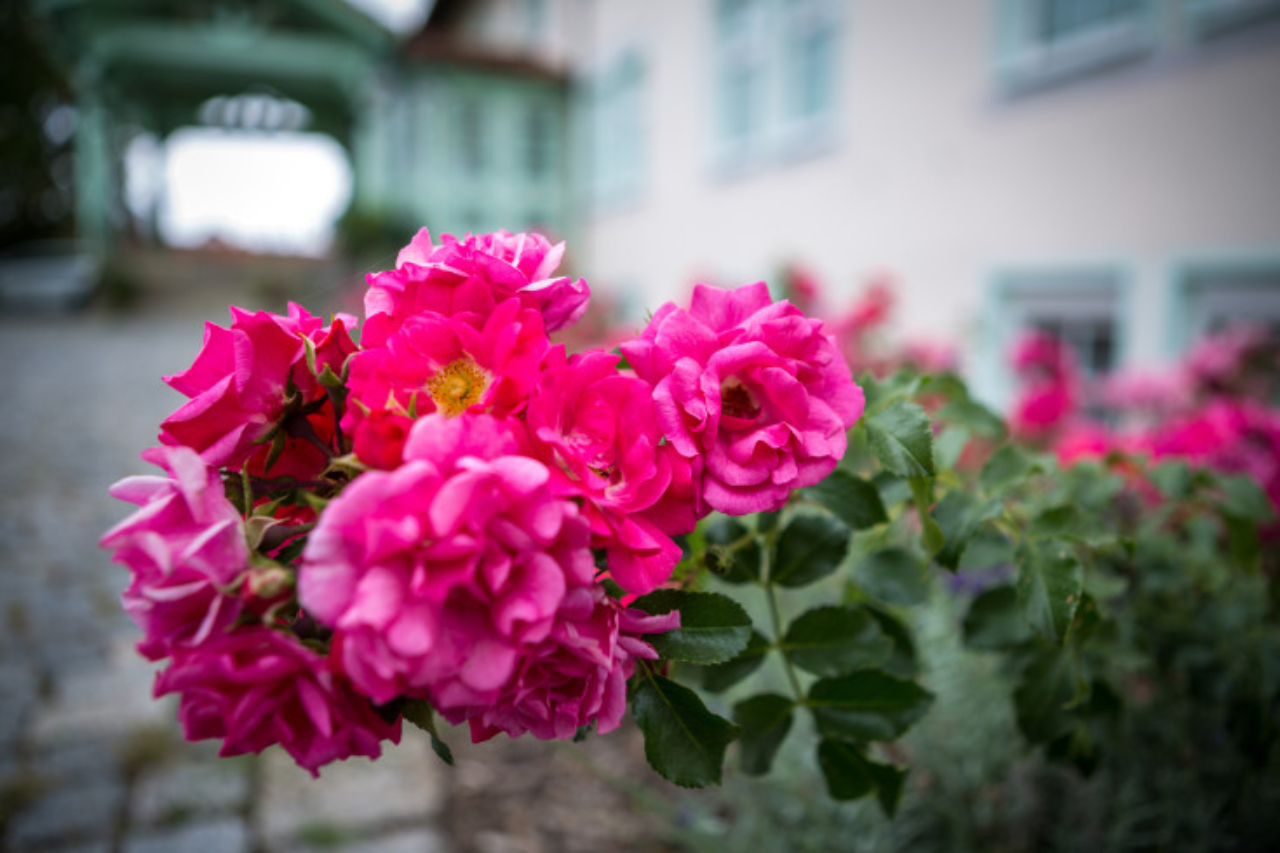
[(975, 416), (902, 662), (683, 741), (810, 547), (1066, 520), (1041, 698), (713, 628), (835, 640), (1243, 542), (1173, 479), (892, 575), (904, 383), (959, 515), (1245, 499), (995, 622), (987, 549), (851, 775), (422, 715), (851, 499), (893, 490), (1089, 485), (1050, 582), (733, 552), (902, 439), (931, 535), (867, 706), (950, 444), (1086, 620), (721, 676), (764, 721), (1006, 466)]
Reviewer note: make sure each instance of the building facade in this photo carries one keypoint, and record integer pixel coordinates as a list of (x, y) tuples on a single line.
[(1108, 169)]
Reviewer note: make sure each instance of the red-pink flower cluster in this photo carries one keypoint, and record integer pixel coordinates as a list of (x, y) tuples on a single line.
[(1211, 410), (433, 514)]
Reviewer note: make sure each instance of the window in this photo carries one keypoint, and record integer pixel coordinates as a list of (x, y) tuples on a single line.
[(470, 130), (1082, 306), (1211, 17), (537, 141), (1215, 297), (1045, 41), (775, 70), (1078, 309), (741, 72), (810, 59), (617, 130)]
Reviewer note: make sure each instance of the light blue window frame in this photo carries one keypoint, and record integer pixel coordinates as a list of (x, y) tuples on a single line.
[(1030, 56), (617, 130), (1247, 286), (1071, 290), (775, 74), (1208, 18)]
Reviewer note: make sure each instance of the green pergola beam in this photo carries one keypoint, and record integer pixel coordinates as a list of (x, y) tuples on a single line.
[(244, 54)]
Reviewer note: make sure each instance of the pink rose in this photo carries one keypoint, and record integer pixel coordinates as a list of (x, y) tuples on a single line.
[(379, 439), (241, 380), (578, 675), (595, 428), (437, 576), (472, 275), (183, 548), (256, 687), (1042, 409), (435, 363), (753, 389)]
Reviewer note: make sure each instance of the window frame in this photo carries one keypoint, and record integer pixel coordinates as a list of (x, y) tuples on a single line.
[(1189, 285), (616, 130), (1027, 62), (767, 44), (1078, 289)]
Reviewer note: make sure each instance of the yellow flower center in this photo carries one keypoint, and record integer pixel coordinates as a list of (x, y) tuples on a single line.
[(458, 386)]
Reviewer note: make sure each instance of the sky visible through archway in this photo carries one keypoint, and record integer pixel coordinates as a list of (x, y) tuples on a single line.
[(273, 193)]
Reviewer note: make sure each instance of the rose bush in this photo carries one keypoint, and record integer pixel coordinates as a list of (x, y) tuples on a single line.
[(457, 517)]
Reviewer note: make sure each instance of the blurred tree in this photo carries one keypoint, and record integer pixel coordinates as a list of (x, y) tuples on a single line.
[(37, 125)]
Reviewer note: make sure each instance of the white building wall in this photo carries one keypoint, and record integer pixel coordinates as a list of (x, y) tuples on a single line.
[(937, 177)]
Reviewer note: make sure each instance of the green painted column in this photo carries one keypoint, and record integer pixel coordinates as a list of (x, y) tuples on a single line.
[(95, 167)]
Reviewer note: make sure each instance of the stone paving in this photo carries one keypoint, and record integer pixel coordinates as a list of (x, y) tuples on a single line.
[(89, 761)]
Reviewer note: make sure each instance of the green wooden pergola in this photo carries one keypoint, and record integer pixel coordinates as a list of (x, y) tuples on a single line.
[(152, 64)]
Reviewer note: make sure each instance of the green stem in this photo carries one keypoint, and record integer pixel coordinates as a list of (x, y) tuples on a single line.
[(775, 616)]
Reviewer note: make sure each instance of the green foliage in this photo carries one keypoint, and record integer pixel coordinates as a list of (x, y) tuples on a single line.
[(851, 499), (683, 741), (810, 548), (835, 640), (713, 628), (765, 721), (1107, 631), (902, 438), (867, 706)]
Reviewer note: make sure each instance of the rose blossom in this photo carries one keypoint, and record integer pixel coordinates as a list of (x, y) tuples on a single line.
[(752, 390), (437, 576), (183, 547), (596, 430), (451, 365), (472, 275), (240, 381), (255, 687), (577, 675)]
